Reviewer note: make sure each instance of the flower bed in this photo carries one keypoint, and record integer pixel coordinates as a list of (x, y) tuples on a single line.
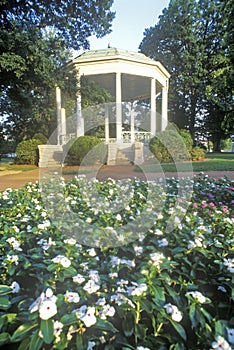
[(165, 282)]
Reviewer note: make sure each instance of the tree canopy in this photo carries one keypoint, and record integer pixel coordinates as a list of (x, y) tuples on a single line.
[(192, 40), (36, 39)]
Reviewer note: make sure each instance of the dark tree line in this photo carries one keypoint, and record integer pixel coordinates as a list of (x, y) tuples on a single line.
[(194, 40)]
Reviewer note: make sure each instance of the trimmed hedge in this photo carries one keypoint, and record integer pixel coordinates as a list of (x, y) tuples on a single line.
[(87, 150), (197, 153), (27, 152), (169, 147)]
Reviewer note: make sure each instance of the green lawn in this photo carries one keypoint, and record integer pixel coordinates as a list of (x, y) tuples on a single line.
[(15, 167), (212, 162)]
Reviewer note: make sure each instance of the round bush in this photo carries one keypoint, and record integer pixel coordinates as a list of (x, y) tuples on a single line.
[(187, 138), (27, 152), (197, 153), (168, 146), (41, 138), (87, 150)]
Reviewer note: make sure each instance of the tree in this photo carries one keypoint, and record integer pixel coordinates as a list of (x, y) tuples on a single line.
[(191, 40), (74, 21), (35, 43)]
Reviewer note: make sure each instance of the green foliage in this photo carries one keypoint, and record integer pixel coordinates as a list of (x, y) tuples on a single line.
[(187, 139), (27, 152), (197, 153), (41, 138), (86, 150), (170, 286), (192, 39), (168, 146)]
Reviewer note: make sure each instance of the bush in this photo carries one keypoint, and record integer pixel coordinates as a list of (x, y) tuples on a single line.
[(187, 138), (197, 153), (41, 138), (168, 146), (87, 150), (27, 152)]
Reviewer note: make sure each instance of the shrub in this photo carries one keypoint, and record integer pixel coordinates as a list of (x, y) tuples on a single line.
[(86, 150), (27, 152), (168, 146), (197, 153), (41, 138), (187, 138)]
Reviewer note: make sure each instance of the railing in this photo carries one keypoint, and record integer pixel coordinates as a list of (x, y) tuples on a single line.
[(141, 136)]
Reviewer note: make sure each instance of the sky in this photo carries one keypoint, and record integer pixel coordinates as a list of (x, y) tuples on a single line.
[(131, 19)]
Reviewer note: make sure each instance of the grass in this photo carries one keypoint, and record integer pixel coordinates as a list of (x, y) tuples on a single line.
[(212, 162), (9, 166)]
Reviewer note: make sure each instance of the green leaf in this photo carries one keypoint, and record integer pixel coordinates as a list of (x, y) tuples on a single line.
[(4, 338), (5, 289), (69, 319), (127, 327), (105, 326), (36, 342), (47, 330), (192, 315), (22, 332), (4, 302), (24, 344), (179, 329)]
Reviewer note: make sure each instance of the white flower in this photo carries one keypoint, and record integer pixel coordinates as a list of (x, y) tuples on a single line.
[(118, 217), (174, 312), (101, 301), (137, 289), (89, 317), (62, 260), (88, 220), (91, 252), (91, 287), (15, 287), (221, 344), (78, 278), (45, 304), (138, 250), (230, 264), (14, 243), (58, 327), (163, 242), (230, 332), (72, 297), (47, 309), (142, 348), (107, 311), (158, 232), (13, 259), (197, 296), (157, 258), (70, 241), (91, 344)]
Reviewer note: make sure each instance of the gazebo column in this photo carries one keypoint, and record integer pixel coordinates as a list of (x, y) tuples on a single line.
[(107, 136), (164, 107), (58, 111), (118, 108), (153, 107), (79, 118), (63, 124), (132, 122)]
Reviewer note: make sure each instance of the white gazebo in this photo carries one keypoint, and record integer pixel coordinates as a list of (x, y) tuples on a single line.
[(128, 76)]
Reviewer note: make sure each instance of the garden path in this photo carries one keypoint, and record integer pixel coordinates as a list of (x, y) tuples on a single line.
[(17, 180)]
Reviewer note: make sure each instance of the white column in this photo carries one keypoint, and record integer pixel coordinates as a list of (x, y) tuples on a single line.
[(164, 107), (79, 118), (106, 124), (153, 107), (132, 124), (63, 121), (58, 110), (118, 108)]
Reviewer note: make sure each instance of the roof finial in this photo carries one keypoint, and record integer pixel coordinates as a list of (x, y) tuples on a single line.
[(109, 46)]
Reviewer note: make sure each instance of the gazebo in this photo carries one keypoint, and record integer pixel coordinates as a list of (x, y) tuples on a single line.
[(127, 76)]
